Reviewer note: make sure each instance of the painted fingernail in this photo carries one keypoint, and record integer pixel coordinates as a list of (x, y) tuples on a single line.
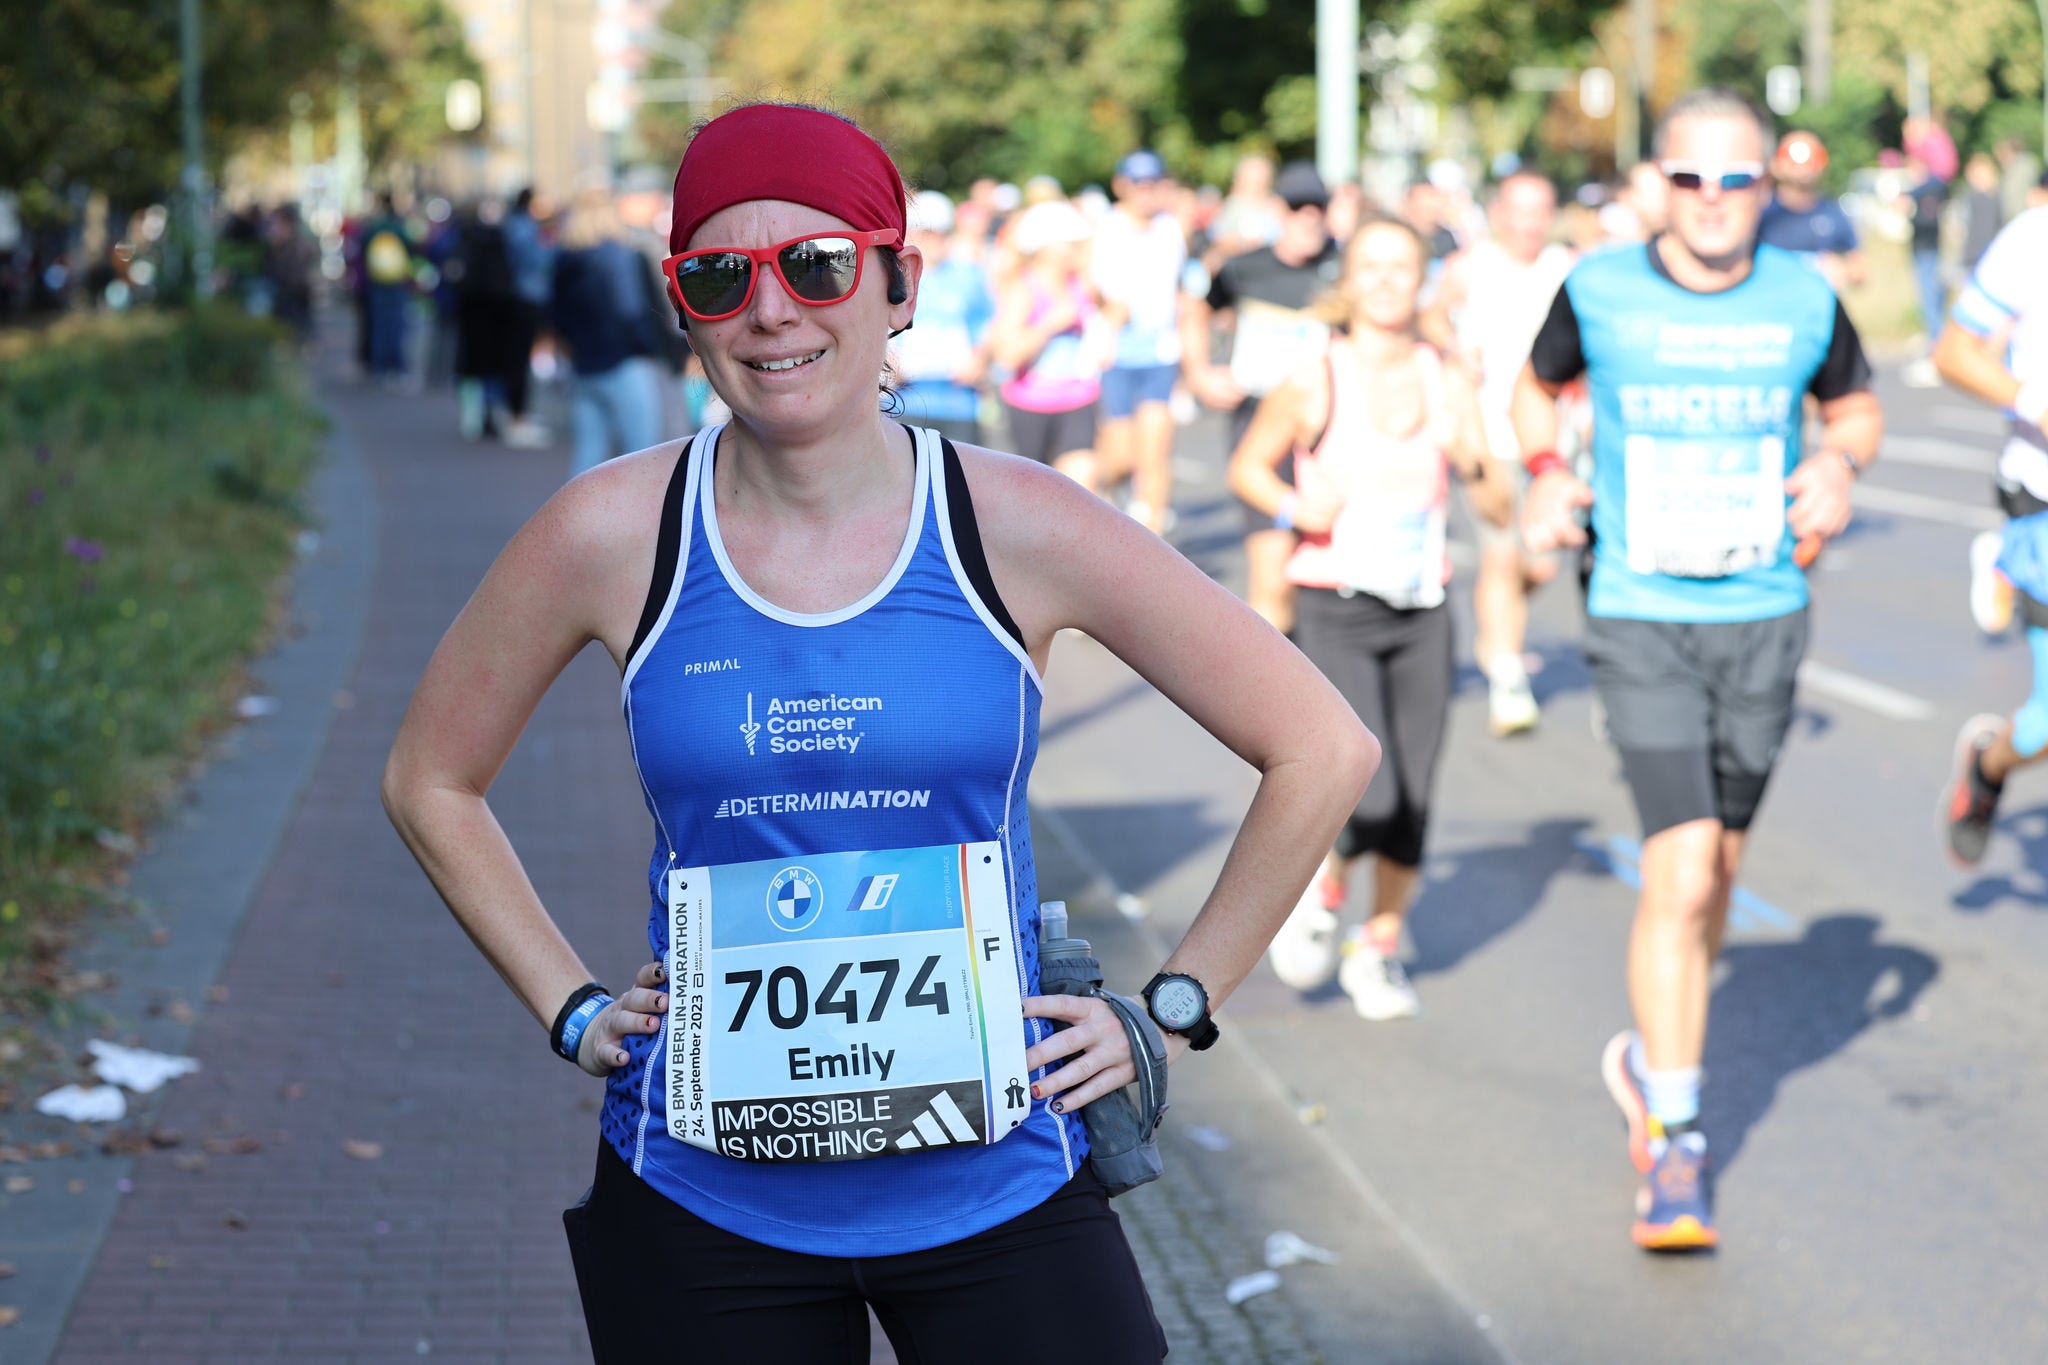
[(660, 974), (1036, 1093), (1059, 1106)]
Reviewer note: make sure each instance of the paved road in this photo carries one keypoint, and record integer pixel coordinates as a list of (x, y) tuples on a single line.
[(1873, 1018)]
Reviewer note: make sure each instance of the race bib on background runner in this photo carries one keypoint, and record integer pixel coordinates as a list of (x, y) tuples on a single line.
[(1704, 506), (1271, 343), (844, 1005), (1398, 557)]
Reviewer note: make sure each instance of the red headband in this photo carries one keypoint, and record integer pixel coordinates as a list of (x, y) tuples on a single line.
[(772, 151)]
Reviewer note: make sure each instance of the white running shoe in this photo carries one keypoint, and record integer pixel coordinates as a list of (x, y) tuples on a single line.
[(1920, 374), (1304, 952), (526, 434), (1377, 984), (1510, 704), (1990, 590)]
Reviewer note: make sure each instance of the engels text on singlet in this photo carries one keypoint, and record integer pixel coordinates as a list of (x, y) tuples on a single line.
[(796, 725), (797, 803)]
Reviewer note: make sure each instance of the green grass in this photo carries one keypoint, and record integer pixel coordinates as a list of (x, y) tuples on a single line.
[(150, 474)]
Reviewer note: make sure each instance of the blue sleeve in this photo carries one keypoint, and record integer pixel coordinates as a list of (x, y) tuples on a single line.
[(1848, 227)]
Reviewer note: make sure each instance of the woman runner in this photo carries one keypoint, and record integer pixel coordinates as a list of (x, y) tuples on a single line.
[(832, 631), (1373, 431)]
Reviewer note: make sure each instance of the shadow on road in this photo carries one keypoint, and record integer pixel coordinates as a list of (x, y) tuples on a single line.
[(1485, 893), (1782, 1007), (2030, 827), (1140, 842)]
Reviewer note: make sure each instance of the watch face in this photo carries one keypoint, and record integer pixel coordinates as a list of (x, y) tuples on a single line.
[(1177, 1003)]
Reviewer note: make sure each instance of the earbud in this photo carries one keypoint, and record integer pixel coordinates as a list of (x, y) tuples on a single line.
[(897, 292)]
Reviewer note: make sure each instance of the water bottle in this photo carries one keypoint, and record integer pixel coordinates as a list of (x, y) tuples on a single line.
[(1122, 1132)]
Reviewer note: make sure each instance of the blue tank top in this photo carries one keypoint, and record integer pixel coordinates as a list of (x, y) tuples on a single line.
[(934, 708), (1698, 402)]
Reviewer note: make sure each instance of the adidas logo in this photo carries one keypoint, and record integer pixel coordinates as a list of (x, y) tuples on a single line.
[(941, 1125)]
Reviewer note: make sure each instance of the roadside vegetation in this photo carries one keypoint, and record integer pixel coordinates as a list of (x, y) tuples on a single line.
[(151, 472)]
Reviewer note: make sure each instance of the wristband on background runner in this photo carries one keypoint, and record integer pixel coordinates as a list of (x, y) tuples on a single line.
[(584, 1004), (1283, 515), (1543, 462)]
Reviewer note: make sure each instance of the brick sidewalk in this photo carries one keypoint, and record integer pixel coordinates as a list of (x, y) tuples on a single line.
[(353, 1011)]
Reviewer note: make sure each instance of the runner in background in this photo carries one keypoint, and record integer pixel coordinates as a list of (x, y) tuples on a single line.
[(532, 258), (1801, 219), (1371, 430), (1923, 203), (943, 360), (1995, 347), (814, 553), (1489, 304), (1263, 297), (1701, 347), (1140, 252), (1051, 341)]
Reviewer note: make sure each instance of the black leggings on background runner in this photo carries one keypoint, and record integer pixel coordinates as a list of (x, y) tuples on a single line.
[(1057, 1282), (1394, 667)]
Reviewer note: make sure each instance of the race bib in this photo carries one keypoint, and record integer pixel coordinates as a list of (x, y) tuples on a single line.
[(1704, 506), (1272, 343), (1398, 557), (844, 1005)]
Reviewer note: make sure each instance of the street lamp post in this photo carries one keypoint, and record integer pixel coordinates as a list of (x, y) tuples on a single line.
[(1337, 89), (195, 158)]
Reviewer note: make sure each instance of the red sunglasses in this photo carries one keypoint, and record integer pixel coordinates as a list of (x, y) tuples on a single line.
[(819, 268)]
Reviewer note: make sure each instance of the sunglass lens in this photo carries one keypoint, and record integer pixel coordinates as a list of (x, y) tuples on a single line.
[(1686, 180), (1737, 180), (714, 285), (821, 270)]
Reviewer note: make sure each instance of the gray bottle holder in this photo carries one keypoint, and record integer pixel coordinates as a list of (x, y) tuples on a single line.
[(1123, 1135)]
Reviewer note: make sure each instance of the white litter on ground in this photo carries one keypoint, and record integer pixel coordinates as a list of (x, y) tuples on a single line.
[(255, 708), (1251, 1286), (1284, 1248), (1209, 1139), (101, 1104), (137, 1068)]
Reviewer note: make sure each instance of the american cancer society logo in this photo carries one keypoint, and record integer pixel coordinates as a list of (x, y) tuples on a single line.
[(795, 899)]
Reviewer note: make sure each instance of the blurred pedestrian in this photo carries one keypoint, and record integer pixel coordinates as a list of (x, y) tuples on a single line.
[(291, 261), (1139, 254), (1982, 212), (388, 287), (531, 257), (1050, 338), (487, 329), (943, 360), (1373, 429), (600, 307), (442, 252), (2019, 174), (1264, 298), (1802, 219), (1925, 200)]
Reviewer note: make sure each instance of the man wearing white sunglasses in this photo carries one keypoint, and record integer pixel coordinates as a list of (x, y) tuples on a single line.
[(1701, 348)]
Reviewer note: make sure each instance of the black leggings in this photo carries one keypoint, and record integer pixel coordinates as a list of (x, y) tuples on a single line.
[(1394, 667), (1057, 1282)]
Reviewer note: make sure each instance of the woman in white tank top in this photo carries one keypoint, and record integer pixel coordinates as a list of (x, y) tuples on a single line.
[(1375, 430)]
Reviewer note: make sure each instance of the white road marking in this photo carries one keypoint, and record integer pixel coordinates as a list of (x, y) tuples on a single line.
[(1888, 702), (1905, 504), (1935, 453)]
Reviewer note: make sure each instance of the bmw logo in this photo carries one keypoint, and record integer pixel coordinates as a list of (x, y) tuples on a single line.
[(794, 899)]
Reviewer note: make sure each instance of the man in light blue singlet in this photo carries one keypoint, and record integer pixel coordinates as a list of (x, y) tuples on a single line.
[(1701, 349)]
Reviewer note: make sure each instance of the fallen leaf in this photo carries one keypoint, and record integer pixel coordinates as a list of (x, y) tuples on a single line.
[(11, 1050), (362, 1150), (180, 1012), (13, 1154), (18, 1184), (190, 1161), (6, 1270), (165, 1137), (235, 1219), (9, 1316), (216, 995), (159, 1263), (159, 937), (234, 1146), (294, 1091), (75, 1187)]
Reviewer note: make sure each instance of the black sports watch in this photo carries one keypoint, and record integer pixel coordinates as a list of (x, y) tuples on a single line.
[(1178, 1004)]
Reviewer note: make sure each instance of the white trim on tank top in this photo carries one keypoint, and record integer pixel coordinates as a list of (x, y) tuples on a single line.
[(707, 494), (934, 458)]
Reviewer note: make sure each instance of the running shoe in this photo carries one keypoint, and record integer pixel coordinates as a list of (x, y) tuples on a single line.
[(1643, 1129), (1510, 704), (1377, 984), (1970, 804), (1674, 1210), (1990, 590), (1304, 952), (1920, 374)]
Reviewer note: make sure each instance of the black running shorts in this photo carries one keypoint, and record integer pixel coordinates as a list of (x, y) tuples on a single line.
[(1057, 1282), (1045, 436), (1698, 711)]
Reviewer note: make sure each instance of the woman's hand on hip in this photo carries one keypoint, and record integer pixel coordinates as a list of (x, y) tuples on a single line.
[(1093, 1050), (636, 1013)]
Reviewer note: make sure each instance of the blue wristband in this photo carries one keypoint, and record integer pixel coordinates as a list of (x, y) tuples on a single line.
[(576, 1018), (1283, 516)]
